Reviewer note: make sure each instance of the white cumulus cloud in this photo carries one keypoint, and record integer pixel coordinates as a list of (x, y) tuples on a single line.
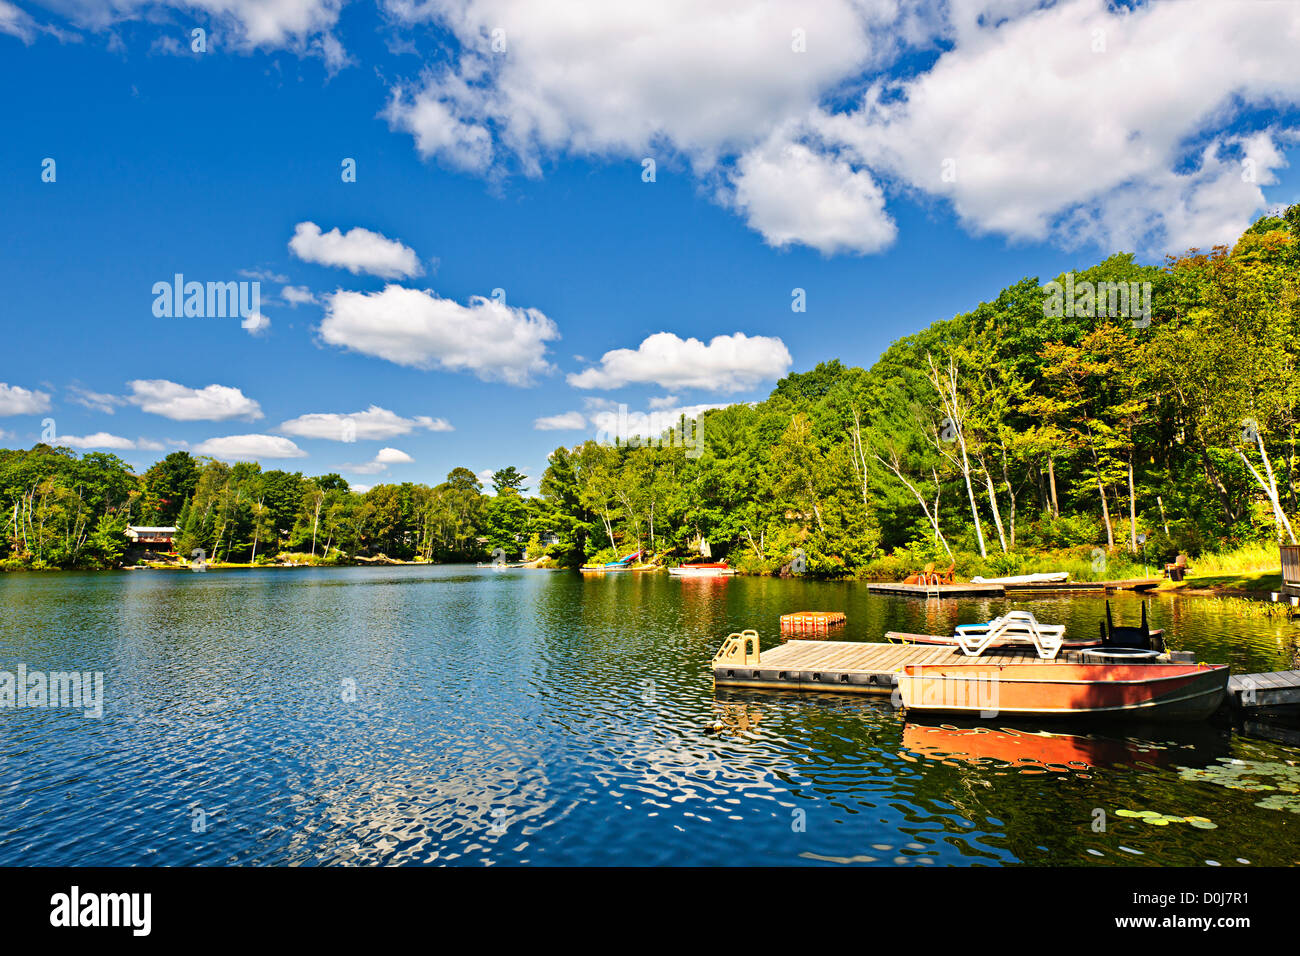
[(728, 363), (249, 448), (97, 440), (419, 329), (618, 78), (297, 295), (383, 458), (791, 194), (213, 403), (16, 400), (357, 250), (374, 422), (256, 324), (1074, 121), (565, 421), (304, 26)]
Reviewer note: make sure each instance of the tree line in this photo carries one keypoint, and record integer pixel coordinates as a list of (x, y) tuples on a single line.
[(1121, 409), (70, 512)]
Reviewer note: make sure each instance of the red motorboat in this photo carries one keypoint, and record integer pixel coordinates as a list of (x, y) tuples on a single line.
[(1049, 689)]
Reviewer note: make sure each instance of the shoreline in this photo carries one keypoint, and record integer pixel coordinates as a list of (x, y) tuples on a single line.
[(1189, 588)]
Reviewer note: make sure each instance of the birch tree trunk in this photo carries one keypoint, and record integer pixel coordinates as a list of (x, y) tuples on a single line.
[(1269, 486), (1105, 514), (931, 516), (993, 505), (1132, 510), (946, 386), (1051, 479), (859, 453)]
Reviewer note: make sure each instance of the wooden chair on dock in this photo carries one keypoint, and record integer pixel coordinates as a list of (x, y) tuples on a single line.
[(1178, 568), (930, 576)]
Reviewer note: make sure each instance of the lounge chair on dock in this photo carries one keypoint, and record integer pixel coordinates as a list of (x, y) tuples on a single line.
[(1014, 627)]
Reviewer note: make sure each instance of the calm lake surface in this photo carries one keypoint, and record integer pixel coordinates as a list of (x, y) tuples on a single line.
[(534, 717)]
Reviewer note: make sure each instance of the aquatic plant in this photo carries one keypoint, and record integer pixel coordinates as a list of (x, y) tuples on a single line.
[(1156, 818), (1280, 779)]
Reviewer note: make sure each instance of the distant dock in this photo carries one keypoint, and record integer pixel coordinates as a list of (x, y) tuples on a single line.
[(940, 590), (1135, 584), (997, 590)]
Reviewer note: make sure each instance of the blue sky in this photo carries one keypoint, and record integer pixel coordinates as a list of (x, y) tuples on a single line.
[(521, 169)]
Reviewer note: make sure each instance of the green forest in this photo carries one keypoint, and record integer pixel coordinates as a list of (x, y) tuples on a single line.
[(1122, 411)]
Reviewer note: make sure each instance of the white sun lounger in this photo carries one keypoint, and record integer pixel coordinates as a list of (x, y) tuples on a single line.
[(1014, 627)]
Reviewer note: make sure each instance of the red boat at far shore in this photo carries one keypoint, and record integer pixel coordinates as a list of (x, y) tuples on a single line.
[(717, 569), (1050, 689)]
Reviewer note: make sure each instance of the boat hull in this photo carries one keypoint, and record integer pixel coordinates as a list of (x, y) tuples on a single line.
[(1146, 691), (719, 570)]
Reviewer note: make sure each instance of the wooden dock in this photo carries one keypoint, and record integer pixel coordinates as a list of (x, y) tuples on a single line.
[(1133, 584), (939, 590), (967, 589), (1258, 693), (862, 668), (845, 666)]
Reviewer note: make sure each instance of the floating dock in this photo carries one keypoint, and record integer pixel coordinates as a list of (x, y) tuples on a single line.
[(1135, 584), (939, 590), (843, 666), (1278, 691), (815, 621), (997, 590)]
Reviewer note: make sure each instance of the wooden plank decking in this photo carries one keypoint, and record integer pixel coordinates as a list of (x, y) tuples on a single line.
[(942, 590), (851, 666), (1131, 584), (968, 589), (1262, 692)]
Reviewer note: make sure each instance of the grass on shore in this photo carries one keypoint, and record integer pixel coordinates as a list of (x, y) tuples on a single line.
[(1259, 581), (1252, 567)]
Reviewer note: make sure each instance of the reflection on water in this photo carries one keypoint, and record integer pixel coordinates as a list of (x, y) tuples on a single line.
[(459, 715), (1040, 751)]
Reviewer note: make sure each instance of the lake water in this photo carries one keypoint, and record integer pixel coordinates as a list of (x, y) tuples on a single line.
[(452, 715)]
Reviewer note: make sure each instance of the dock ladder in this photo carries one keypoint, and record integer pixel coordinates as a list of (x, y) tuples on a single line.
[(736, 649)]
